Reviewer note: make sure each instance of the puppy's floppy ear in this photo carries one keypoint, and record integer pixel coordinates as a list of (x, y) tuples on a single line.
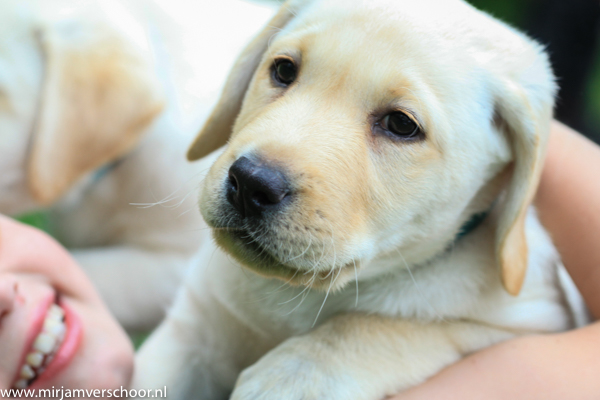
[(524, 106), (98, 96), (217, 129)]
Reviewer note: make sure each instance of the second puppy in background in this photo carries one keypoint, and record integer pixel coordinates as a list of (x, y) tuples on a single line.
[(97, 104)]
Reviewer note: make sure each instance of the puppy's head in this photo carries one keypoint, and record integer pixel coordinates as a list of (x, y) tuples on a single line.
[(76, 92), (358, 129)]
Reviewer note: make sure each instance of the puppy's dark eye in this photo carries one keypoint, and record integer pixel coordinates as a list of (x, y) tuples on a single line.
[(284, 71), (400, 125)]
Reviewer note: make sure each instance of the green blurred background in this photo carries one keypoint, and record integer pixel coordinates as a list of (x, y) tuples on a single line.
[(570, 30)]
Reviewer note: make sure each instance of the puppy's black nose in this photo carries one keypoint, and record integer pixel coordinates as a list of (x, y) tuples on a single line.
[(254, 188)]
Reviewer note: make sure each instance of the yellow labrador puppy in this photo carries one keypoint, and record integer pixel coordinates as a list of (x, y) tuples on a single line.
[(370, 207)]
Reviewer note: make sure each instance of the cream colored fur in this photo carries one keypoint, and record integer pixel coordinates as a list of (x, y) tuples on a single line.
[(359, 287), (98, 103)]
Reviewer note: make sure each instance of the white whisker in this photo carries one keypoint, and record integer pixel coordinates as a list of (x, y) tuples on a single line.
[(355, 280), (326, 296)]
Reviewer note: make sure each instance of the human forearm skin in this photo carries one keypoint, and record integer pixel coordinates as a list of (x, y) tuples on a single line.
[(552, 367), (568, 202)]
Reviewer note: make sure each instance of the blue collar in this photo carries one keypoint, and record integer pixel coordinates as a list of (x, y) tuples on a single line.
[(471, 224)]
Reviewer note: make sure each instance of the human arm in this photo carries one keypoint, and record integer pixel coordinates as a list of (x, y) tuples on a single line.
[(554, 366), (568, 203)]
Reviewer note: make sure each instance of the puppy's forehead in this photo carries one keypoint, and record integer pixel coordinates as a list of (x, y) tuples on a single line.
[(431, 15), (451, 28), (388, 54)]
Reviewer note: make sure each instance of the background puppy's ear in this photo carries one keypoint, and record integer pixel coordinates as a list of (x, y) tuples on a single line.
[(98, 96), (217, 129), (524, 113)]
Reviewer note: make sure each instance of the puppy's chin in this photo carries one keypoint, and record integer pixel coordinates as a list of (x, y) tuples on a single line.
[(250, 254)]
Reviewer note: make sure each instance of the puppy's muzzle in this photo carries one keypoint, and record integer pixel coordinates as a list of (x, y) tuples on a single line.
[(254, 188)]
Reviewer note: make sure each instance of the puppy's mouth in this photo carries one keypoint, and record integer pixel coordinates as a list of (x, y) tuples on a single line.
[(251, 253), (243, 246)]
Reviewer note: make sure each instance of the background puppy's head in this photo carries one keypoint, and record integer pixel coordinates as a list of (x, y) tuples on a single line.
[(364, 128), (76, 92)]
